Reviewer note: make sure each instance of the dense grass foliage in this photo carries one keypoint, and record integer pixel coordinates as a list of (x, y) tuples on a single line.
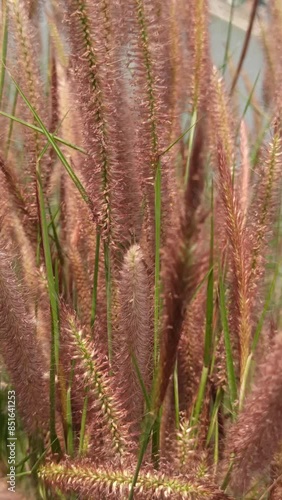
[(140, 244)]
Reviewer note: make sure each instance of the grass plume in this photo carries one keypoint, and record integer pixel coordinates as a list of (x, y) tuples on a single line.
[(134, 341)]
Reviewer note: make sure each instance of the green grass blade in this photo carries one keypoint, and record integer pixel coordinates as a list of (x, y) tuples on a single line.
[(245, 380), (216, 405), (157, 262), (228, 349), (200, 396), (95, 280), (227, 476), (157, 301), (13, 118), (248, 103), (176, 396), (202, 282), (53, 143), (180, 137), (156, 440), (209, 321), (53, 298), (145, 438), (190, 144), (37, 463), (55, 233), (216, 443), (141, 382), (209, 304), (109, 301), (70, 442), (83, 426), (258, 143), (11, 126)]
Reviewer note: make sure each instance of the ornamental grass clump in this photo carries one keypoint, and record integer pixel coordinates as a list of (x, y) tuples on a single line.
[(140, 269)]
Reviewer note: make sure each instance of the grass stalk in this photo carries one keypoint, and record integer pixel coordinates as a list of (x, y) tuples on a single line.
[(245, 381), (245, 45), (109, 300), (95, 280), (11, 125), (176, 396), (157, 263), (144, 441), (229, 33), (141, 382), (209, 326), (69, 423), (228, 349), (54, 361), (83, 426), (214, 416), (194, 120), (200, 396)]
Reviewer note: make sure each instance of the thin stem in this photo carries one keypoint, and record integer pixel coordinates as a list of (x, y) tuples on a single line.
[(157, 262), (228, 37), (245, 46), (108, 300), (95, 281)]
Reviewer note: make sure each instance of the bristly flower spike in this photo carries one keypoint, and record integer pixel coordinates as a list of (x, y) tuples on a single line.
[(134, 338), (22, 353), (87, 480)]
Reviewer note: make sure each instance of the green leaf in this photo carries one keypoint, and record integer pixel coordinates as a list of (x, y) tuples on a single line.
[(228, 349), (53, 143)]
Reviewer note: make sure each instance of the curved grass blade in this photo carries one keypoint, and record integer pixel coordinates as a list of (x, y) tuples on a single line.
[(51, 141), (38, 129), (228, 350)]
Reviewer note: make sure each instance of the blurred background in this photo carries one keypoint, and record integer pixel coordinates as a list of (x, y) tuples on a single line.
[(232, 19)]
